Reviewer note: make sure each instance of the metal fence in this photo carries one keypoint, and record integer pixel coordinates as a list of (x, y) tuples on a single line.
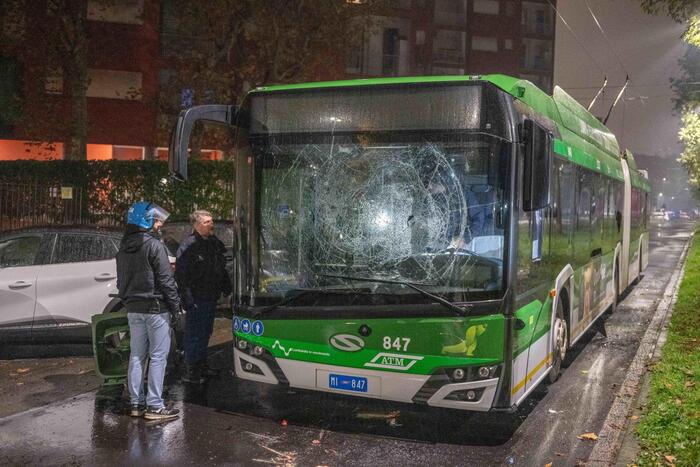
[(30, 204)]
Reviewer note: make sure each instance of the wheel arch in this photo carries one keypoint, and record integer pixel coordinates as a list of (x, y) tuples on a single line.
[(113, 305)]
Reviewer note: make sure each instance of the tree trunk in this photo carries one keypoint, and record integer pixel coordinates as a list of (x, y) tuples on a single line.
[(77, 71)]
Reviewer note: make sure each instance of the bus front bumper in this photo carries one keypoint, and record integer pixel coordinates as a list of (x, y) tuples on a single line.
[(386, 385)]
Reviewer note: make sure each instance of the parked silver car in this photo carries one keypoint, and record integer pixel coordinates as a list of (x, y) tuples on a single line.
[(53, 279)]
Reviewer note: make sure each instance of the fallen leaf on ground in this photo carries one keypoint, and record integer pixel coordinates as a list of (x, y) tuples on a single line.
[(678, 402), (689, 372), (316, 441), (19, 383), (588, 436), (670, 459), (634, 417), (548, 464), (690, 384), (585, 372), (668, 385), (22, 370), (552, 411), (559, 454)]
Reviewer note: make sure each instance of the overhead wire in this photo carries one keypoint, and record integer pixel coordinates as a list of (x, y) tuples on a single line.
[(605, 36), (619, 61), (575, 37)]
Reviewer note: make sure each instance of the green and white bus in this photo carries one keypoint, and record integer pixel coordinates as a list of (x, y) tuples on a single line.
[(434, 240)]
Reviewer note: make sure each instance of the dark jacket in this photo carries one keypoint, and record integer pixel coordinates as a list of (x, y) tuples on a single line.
[(200, 269), (144, 277)]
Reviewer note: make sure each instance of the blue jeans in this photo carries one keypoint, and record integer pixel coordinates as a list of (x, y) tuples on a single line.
[(199, 324), (150, 336)]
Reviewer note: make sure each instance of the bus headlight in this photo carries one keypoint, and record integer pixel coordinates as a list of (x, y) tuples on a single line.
[(458, 374), (258, 350), (484, 372), (242, 345)]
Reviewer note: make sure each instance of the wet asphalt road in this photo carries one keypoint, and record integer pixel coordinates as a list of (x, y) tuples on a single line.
[(239, 423)]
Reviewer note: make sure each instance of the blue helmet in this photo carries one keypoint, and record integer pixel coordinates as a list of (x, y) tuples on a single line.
[(142, 214)]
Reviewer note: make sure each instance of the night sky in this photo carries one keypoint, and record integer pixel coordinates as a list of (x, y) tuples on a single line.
[(648, 48)]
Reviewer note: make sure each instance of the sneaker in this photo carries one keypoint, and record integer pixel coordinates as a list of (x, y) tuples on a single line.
[(137, 410), (193, 375), (161, 414)]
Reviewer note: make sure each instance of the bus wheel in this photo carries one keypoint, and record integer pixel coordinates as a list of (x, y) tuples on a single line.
[(616, 290), (561, 339)]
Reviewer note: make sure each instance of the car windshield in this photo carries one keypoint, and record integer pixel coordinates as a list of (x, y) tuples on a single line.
[(421, 210)]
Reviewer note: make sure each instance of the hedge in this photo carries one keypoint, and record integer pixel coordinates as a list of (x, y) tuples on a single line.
[(111, 186)]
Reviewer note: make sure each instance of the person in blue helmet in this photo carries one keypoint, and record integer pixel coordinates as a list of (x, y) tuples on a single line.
[(147, 288)]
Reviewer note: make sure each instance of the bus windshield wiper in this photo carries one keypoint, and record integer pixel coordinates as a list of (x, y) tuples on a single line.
[(294, 294), (436, 298)]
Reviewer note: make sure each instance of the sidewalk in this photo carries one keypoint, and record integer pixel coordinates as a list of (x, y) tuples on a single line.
[(617, 443)]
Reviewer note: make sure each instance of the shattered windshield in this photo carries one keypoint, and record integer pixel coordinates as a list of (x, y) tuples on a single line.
[(363, 218), (425, 212)]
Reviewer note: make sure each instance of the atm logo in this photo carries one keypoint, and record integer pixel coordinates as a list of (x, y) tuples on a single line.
[(347, 342), (391, 361)]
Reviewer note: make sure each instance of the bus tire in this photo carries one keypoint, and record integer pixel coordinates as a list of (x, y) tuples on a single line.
[(616, 289), (639, 272), (561, 343)]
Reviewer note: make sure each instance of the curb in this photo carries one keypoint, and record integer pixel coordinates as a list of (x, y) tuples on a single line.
[(611, 435)]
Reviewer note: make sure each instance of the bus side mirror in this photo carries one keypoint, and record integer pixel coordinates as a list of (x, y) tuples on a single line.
[(180, 138), (537, 166)]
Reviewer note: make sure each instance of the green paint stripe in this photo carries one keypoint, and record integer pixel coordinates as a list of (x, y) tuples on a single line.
[(588, 161), (368, 82), (541, 326)]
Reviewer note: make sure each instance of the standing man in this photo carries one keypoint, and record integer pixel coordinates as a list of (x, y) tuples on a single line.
[(201, 274), (147, 288)]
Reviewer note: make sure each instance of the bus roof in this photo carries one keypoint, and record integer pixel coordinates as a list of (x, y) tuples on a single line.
[(584, 139)]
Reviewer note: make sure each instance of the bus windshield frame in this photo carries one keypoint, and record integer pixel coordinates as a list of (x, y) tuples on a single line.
[(360, 215)]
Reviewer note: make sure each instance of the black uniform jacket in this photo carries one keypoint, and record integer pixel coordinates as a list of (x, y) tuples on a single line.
[(145, 279), (200, 269)]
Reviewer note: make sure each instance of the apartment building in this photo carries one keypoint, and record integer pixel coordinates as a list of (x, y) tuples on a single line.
[(130, 41), (456, 37)]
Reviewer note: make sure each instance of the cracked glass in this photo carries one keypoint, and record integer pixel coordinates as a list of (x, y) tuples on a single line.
[(348, 217)]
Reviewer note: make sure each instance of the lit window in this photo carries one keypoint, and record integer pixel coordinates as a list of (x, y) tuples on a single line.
[(112, 84), (486, 44)]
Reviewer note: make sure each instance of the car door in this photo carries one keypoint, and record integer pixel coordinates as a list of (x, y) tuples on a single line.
[(20, 262), (77, 283)]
